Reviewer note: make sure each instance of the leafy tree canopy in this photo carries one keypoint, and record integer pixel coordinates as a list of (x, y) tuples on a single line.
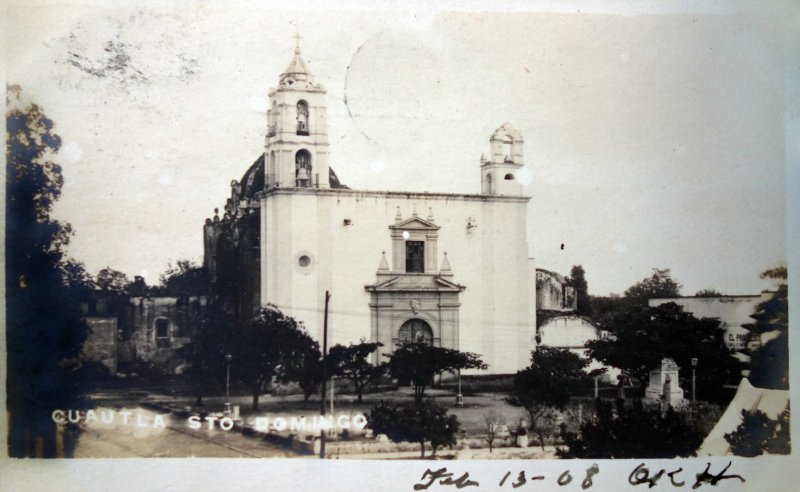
[(551, 378), (708, 293), (266, 348), (304, 365), (112, 280), (759, 434), (205, 351), (184, 278), (352, 362), (769, 363), (604, 307), (44, 287), (659, 285), (641, 336), (419, 363), (577, 279)]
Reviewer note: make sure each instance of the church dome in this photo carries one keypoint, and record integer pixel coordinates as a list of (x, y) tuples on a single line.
[(253, 179)]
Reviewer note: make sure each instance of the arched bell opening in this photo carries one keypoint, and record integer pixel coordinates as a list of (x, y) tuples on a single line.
[(302, 168)]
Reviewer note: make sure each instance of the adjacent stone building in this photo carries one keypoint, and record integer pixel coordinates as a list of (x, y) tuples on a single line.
[(558, 324), (135, 330)]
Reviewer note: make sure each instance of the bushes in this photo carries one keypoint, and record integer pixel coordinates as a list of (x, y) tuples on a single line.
[(635, 432), (417, 422), (759, 434)]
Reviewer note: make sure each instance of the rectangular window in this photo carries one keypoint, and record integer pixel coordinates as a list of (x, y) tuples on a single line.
[(162, 328), (162, 333), (415, 256)]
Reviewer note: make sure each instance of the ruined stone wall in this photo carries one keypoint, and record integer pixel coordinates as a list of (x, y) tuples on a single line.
[(101, 343), (158, 327), (553, 293)]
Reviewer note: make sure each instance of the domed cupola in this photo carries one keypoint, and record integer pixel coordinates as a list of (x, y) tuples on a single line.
[(297, 72)]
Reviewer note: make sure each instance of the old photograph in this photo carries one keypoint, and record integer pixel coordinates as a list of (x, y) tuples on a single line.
[(256, 231)]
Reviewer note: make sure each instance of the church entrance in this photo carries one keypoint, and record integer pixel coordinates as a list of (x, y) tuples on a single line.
[(415, 331)]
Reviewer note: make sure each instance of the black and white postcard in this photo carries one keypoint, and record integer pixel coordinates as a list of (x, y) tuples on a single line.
[(539, 245)]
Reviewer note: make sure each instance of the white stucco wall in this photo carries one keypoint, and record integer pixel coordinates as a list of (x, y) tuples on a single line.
[(497, 314), (567, 332), (572, 332)]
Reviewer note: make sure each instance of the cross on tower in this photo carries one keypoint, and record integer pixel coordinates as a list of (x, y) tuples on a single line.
[(297, 38)]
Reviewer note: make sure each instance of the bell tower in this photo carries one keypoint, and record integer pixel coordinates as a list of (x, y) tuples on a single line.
[(296, 149), (498, 172)]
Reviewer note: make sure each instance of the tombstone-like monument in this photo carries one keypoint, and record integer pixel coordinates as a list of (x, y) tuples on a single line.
[(663, 387)]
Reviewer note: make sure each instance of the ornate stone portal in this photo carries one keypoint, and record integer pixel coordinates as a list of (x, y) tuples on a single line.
[(412, 301)]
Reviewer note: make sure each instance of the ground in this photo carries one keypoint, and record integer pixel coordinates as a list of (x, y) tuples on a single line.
[(177, 438)]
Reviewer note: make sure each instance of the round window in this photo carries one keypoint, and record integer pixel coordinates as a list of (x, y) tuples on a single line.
[(304, 261)]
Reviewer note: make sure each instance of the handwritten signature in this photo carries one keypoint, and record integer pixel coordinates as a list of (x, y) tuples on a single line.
[(641, 475)]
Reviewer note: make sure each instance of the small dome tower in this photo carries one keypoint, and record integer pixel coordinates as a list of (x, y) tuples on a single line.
[(498, 172)]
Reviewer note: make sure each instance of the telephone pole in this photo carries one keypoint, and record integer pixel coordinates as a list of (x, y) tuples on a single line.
[(324, 375)]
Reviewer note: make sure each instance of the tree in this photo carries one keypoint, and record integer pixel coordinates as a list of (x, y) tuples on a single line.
[(605, 307), (184, 278), (758, 434), (352, 363), (263, 348), (769, 363), (493, 423), (112, 280), (418, 422), (635, 432), (44, 288), (547, 384), (205, 351), (708, 293), (419, 363), (658, 285), (641, 336), (304, 365), (577, 280)]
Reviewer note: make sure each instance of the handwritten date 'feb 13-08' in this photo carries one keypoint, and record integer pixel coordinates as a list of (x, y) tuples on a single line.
[(641, 475)]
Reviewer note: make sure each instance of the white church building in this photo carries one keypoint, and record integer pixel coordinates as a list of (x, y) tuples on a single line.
[(449, 269)]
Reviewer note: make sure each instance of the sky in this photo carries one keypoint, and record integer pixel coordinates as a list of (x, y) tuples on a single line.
[(653, 138)]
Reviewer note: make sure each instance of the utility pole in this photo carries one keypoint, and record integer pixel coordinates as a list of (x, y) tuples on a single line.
[(324, 375)]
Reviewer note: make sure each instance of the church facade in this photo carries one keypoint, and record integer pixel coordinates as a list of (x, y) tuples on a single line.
[(448, 269)]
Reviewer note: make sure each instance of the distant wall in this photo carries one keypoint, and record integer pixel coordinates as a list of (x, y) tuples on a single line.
[(101, 344)]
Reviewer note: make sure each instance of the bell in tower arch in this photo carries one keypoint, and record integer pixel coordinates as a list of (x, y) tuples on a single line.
[(303, 168), (303, 178)]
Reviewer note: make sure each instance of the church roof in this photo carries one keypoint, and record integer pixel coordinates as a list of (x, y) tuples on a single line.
[(334, 180)]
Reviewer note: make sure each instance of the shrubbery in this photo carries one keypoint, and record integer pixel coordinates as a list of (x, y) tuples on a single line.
[(618, 431), (418, 422)]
